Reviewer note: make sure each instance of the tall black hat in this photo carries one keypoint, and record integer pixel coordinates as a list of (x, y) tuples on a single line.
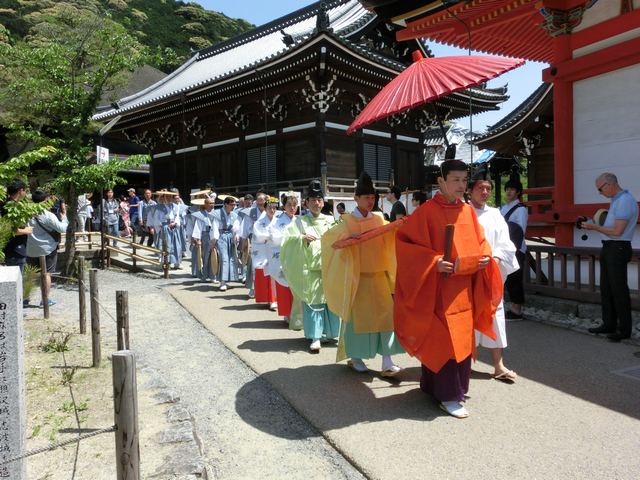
[(480, 173), (364, 185), (315, 189)]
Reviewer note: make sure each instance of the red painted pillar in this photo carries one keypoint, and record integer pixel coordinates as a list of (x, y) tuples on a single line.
[(563, 144)]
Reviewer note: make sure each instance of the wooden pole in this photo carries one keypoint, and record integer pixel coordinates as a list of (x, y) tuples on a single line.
[(165, 257), (95, 317), (122, 319), (125, 409), (82, 299), (134, 239), (43, 286), (448, 244)]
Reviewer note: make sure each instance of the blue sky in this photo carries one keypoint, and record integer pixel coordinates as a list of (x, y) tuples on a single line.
[(522, 81)]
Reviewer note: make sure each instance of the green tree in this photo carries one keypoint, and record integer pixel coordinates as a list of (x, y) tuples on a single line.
[(50, 87)]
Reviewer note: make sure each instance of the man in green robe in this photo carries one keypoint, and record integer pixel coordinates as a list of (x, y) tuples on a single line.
[(300, 256)]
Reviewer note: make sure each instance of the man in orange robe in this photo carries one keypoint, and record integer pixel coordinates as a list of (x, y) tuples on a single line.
[(439, 303)]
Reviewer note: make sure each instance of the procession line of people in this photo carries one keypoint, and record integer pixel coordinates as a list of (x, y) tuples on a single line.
[(374, 287), (377, 288)]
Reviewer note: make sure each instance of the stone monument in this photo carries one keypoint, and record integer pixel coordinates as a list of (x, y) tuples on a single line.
[(12, 386)]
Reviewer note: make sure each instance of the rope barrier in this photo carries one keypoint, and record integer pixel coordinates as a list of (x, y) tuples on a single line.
[(104, 309), (54, 446)]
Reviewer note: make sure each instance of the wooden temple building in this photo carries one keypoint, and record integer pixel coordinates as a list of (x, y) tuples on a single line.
[(270, 108), (527, 133), (593, 48)]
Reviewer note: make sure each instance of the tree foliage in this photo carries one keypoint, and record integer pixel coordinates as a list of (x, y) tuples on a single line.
[(17, 214), (50, 87), (159, 25)]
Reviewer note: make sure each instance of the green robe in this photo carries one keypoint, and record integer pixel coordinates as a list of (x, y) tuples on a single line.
[(301, 263)]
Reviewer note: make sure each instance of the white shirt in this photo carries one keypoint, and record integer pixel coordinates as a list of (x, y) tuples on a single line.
[(520, 216), (496, 232)]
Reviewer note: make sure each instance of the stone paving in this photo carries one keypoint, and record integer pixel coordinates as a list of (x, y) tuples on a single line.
[(258, 405)]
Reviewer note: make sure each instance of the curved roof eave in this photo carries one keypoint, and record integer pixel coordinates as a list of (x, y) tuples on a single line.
[(519, 114), (375, 60)]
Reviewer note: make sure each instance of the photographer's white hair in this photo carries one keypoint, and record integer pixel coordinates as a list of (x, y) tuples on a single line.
[(609, 178)]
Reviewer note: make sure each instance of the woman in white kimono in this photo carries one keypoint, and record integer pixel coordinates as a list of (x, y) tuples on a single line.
[(225, 236), (503, 250), (165, 219), (274, 267), (264, 285)]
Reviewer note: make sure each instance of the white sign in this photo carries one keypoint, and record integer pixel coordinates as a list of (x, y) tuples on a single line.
[(102, 154)]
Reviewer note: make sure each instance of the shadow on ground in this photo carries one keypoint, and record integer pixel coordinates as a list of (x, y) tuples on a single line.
[(260, 324), (332, 397), (574, 363)]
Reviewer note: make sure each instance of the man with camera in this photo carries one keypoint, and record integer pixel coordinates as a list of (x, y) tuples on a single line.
[(617, 233), (44, 239)]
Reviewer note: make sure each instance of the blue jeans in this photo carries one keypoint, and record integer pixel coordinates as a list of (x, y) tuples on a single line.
[(113, 231)]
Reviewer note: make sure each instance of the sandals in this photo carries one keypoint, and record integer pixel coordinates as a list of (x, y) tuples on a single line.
[(507, 377)]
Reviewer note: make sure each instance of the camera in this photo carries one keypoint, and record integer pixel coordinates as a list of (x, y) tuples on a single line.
[(580, 221)]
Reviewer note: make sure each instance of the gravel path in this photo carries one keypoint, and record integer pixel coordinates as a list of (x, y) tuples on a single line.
[(217, 390)]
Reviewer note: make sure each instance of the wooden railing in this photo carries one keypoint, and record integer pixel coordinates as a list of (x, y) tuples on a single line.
[(133, 254), (93, 240), (571, 273)]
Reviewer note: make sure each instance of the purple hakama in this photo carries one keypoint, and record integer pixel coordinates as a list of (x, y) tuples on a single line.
[(451, 383)]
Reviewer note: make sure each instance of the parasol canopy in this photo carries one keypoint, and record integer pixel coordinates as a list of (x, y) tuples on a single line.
[(428, 79)]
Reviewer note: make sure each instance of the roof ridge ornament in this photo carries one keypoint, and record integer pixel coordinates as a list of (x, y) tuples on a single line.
[(322, 19)]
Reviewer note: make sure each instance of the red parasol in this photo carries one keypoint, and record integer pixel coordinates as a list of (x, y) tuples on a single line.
[(428, 79)]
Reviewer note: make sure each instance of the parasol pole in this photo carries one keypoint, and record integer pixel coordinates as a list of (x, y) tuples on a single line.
[(468, 89), (448, 244)]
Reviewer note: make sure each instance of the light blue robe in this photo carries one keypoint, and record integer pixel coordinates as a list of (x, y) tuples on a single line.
[(203, 223), (163, 215), (227, 227)]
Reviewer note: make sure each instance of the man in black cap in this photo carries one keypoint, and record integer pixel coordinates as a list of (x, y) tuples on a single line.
[(359, 282), (300, 256), (516, 215)]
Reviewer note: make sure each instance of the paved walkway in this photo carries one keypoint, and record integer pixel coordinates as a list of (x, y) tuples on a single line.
[(569, 416), (245, 428)]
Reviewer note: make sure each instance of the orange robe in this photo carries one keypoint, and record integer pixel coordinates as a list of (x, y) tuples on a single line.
[(434, 316)]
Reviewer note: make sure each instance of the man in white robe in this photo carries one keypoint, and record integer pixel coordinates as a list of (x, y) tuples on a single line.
[(503, 251)]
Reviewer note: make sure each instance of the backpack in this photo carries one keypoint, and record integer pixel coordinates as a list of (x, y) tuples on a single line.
[(516, 234), (57, 236)]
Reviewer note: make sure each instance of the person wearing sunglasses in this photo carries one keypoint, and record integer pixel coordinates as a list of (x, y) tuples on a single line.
[(617, 234)]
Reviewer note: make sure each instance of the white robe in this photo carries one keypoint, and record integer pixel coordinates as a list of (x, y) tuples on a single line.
[(262, 241), (274, 267), (496, 232)]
